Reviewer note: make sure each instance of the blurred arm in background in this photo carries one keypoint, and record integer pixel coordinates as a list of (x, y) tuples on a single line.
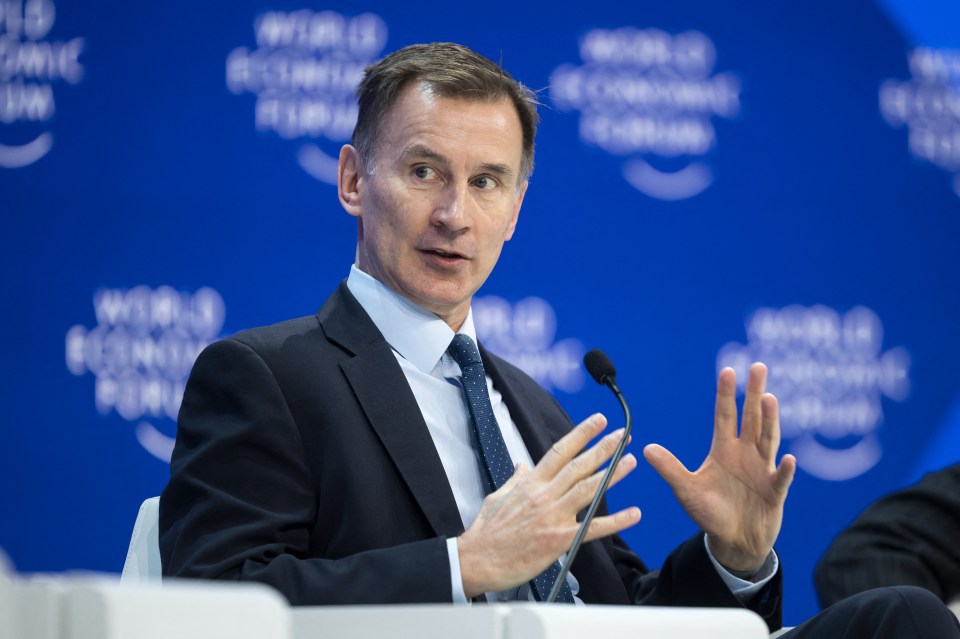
[(910, 537)]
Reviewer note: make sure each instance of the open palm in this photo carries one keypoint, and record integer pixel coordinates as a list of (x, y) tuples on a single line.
[(737, 494)]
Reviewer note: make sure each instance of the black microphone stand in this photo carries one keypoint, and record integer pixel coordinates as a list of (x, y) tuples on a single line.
[(609, 381)]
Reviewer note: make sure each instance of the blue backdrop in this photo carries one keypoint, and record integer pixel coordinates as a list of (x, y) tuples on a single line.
[(714, 184)]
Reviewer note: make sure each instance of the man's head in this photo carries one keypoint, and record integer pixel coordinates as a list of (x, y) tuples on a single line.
[(437, 175), (451, 71)]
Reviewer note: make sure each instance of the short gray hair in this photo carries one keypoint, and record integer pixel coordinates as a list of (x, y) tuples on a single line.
[(451, 71)]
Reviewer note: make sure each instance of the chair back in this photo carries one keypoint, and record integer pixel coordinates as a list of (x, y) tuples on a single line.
[(143, 555)]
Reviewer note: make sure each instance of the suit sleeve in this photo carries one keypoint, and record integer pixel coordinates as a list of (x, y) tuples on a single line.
[(241, 501), (907, 538), (688, 578)]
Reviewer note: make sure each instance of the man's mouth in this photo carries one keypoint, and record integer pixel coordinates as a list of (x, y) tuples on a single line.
[(445, 254)]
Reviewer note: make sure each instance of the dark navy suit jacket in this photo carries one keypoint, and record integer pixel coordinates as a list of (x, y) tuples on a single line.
[(302, 460)]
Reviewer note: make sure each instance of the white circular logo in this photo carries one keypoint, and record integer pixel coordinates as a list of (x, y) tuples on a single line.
[(30, 66), (141, 352), (304, 72), (650, 96), (928, 104), (830, 373)]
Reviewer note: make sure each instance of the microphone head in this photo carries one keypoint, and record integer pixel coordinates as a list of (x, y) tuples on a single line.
[(599, 366)]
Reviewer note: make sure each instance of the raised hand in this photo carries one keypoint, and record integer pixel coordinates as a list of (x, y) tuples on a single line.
[(737, 494), (532, 519)]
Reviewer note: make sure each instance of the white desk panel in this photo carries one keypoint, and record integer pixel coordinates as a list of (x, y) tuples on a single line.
[(433, 621), (523, 621), (530, 621)]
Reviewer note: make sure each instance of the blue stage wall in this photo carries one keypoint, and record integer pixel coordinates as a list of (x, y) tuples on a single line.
[(715, 183)]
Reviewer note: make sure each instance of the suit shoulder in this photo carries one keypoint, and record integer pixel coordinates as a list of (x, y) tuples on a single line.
[(275, 335), (289, 350), (276, 343)]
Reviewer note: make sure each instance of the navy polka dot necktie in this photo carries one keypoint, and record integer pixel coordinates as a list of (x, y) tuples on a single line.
[(495, 459)]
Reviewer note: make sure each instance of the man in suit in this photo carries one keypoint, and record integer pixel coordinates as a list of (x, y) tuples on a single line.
[(908, 537), (343, 457)]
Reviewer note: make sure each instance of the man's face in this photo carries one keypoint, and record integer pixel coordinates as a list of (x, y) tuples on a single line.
[(440, 200)]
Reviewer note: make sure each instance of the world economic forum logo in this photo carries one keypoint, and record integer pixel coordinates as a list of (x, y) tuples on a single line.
[(141, 352), (30, 66), (830, 373), (928, 104), (524, 333), (650, 97), (304, 71)]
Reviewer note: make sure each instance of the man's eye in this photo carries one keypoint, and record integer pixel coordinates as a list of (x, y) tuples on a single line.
[(423, 172), (485, 182)]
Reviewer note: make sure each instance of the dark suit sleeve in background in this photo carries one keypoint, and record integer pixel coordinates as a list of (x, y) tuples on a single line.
[(911, 537)]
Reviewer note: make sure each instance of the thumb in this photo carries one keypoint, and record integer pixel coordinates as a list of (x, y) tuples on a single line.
[(666, 464)]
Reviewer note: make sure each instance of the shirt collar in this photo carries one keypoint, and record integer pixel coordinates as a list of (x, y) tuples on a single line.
[(418, 335)]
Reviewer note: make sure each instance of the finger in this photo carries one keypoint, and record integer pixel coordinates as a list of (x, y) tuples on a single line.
[(725, 411), (626, 465), (569, 446), (666, 465), (588, 462), (752, 426), (519, 472), (583, 492), (770, 430), (785, 474), (608, 525)]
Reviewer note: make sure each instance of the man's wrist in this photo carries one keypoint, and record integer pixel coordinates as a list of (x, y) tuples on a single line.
[(764, 571), (743, 574), (747, 566)]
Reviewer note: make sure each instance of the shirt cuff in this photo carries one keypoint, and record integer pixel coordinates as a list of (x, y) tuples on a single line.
[(741, 588), (456, 579)]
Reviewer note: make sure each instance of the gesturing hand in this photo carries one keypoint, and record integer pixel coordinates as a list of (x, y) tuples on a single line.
[(737, 494), (532, 519)]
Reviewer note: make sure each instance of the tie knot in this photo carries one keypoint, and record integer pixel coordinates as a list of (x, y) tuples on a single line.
[(463, 350)]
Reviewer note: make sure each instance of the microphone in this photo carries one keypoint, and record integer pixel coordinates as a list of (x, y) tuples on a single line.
[(601, 369)]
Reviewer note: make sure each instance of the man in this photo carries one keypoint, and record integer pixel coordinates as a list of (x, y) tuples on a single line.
[(356, 457), (907, 537)]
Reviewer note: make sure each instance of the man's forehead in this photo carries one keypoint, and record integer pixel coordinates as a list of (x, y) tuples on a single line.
[(425, 124)]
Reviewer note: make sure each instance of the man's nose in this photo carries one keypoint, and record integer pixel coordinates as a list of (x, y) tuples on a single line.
[(453, 208)]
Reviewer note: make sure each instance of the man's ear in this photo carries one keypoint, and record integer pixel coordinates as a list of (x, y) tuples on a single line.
[(517, 203), (350, 179)]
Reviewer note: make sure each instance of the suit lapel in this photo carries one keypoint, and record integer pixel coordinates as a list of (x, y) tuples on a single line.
[(385, 398)]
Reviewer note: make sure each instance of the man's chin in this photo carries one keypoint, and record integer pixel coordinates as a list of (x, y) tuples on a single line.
[(443, 299)]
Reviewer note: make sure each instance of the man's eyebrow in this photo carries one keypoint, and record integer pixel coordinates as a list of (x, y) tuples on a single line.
[(503, 171), (421, 151)]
